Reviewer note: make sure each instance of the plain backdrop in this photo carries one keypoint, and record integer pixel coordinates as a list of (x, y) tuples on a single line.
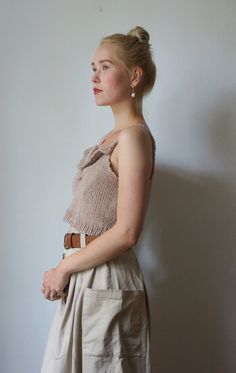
[(48, 117)]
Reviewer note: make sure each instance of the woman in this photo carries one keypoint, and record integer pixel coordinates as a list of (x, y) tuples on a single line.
[(102, 323)]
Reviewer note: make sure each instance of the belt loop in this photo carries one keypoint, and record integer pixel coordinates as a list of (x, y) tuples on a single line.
[(71, 239), (82, 239)]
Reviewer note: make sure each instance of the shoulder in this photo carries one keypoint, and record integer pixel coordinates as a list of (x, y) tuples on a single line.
[(134, 154), (135, 136), (134, 148)]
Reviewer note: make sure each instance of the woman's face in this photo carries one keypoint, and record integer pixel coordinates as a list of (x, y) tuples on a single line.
[(109, 76)]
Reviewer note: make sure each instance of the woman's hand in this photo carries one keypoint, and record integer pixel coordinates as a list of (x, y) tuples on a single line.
[(54, 283)]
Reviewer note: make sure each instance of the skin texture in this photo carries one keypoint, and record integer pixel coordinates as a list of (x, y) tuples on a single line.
[(131, 160)]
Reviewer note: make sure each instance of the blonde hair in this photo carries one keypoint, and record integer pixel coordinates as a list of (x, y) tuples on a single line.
[(134, 49)]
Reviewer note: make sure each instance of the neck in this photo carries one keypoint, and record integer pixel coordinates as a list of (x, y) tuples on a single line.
[(127, 114)]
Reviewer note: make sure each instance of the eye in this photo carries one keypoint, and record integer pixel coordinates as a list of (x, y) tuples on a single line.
[(104, 67)]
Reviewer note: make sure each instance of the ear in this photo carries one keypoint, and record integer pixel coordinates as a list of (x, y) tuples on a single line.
[(137, 74)]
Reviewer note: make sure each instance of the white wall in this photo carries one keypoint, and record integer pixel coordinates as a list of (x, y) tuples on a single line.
[(48, 116)]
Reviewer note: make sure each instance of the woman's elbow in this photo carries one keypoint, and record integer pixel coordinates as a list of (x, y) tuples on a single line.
[(129, 235)]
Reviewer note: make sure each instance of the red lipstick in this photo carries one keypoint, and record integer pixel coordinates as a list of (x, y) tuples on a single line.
[(95, 90)]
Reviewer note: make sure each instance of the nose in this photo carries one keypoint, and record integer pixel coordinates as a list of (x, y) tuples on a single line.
[(95, 77)]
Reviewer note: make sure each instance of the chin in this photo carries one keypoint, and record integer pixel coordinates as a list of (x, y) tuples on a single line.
[(103, 103)]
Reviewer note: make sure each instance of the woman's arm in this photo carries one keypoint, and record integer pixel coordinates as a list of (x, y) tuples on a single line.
[(135, 164)]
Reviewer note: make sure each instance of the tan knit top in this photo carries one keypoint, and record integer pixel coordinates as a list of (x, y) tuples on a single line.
[(93, 208)]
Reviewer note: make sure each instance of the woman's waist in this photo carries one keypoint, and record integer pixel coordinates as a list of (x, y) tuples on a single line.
[(74, 240)]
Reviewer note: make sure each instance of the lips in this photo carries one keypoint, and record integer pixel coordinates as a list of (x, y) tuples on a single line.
[(95, 90)]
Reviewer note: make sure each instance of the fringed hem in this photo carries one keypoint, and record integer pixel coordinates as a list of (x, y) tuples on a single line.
[(85, 227)]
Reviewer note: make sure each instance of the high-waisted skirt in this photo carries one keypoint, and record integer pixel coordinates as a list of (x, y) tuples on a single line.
[(103, 324)]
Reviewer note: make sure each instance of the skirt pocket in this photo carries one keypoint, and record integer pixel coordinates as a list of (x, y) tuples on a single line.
[(112, 321)]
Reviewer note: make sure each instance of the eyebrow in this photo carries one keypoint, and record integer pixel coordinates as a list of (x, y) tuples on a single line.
[(101, 61)]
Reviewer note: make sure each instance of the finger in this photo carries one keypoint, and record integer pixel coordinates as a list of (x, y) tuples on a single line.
[(57, 297), (43, 287), (47, 293), (62, 294), (53, 294)]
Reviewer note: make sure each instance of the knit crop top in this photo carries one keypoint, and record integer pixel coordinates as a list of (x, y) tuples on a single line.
[(93, 208)]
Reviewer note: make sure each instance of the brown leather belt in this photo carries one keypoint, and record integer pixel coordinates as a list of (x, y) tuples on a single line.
[(72, 240)]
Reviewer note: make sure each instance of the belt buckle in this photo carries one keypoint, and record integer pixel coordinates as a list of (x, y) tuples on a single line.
[(85, 239), (65, 246)]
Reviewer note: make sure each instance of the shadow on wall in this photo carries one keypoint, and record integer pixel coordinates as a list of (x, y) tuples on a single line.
[(188, 268)]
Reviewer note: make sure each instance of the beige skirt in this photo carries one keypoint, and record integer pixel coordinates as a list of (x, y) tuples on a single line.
[(103, 324)]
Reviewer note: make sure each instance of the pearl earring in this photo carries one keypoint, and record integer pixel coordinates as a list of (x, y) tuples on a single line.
[(133, 93)]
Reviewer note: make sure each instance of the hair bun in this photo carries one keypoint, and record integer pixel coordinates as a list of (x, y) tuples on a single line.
[(140, 33)]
